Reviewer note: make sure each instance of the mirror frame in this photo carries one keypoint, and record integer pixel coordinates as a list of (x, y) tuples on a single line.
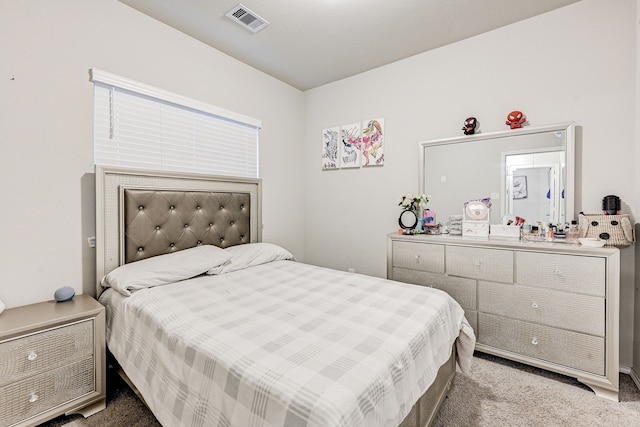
[(569, 149)]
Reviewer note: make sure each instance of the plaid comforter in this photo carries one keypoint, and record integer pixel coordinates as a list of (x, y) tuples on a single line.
[(284, 344)]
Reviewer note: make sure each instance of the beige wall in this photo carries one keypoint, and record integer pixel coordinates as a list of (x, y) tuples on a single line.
[(46, 130), (573, 64)]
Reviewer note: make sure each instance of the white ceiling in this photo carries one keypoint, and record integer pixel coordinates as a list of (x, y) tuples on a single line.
[(309, 43)]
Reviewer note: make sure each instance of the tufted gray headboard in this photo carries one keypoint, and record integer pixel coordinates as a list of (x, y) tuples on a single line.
[(158, 221), (140, 214)]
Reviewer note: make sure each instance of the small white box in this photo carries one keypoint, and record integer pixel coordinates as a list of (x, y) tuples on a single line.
[(475, 228), (510, 231)]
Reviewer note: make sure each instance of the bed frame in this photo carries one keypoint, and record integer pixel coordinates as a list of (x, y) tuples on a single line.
[(141, 213)]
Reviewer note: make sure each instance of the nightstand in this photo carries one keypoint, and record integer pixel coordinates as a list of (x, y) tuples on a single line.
[(52, 361)]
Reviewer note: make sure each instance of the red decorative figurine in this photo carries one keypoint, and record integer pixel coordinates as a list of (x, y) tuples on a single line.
[(515, 119)]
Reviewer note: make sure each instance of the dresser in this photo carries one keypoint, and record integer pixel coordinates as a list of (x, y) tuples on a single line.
[(550, 305), (52, 361)]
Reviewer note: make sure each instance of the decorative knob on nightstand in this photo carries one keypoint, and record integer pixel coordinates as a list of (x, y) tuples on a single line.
[(32, 356), (33, 398), (535, 305), (534, 341), (557, 272), (477, 263)]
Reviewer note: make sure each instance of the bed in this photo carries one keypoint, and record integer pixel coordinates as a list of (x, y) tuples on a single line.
[(214, 327)]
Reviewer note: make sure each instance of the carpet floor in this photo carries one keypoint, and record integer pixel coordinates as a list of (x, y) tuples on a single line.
[(498, 392)]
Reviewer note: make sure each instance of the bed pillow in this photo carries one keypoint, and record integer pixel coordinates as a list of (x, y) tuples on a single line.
[(252, 254), (164, 269)]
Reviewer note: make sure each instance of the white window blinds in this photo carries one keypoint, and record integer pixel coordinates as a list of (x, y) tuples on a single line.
[(139, 126)]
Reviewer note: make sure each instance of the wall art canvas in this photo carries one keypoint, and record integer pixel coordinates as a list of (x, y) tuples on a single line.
[(350, 141), (372, 142), (330, 148)]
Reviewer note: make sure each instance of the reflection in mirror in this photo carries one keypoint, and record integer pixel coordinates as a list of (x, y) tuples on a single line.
[(526, 172), (534, 187)]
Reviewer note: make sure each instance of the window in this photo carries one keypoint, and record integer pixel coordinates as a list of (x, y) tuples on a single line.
[(140, 126)]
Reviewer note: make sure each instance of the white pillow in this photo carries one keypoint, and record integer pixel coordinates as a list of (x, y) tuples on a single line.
[(165, 269), (251, 254)]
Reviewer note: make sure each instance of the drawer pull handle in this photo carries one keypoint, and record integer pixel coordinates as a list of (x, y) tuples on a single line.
[(417, 257), (535, 305), (558, 272), (32, 356), (33, 398), (534, 341), (477, 263)]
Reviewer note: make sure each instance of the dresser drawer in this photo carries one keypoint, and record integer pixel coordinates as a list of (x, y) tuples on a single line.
[(418, 256), (581, 313), (480, 263), (44, 351), (567, 348), (461, 289), (573, 273), (24, 399)]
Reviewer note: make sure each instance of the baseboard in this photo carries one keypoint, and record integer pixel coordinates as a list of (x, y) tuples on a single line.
[(635, 377), (624, 369)]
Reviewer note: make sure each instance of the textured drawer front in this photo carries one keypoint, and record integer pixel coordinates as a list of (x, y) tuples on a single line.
[(480, 263), (573, 349), (43, 351), (418, 256), (27, 398), (461, 289), (571, 273), (581, 313)]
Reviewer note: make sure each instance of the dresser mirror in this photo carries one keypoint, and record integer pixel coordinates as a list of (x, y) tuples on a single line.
[(527, 172)]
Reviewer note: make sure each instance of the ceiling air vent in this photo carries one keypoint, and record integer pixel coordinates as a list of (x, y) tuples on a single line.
[(247, 18)]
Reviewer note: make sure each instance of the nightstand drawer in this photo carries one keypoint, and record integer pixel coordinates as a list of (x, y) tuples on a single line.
[(480, 263), (418, 256), (573, 349), (29, 397), (44, 351)]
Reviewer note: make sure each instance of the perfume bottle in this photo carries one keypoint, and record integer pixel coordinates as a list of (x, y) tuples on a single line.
[(573, 234)]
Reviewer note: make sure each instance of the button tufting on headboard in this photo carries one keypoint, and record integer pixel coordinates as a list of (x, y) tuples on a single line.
[(124, 226), (163, 221)]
